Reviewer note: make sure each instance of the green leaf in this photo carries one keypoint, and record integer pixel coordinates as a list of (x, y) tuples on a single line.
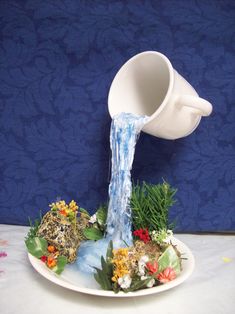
[(102, 278), (116, 287), (138, 284), (169, 258), (93, 234), (101, 215), (37, 246), (61, 263), (84, 211), (109, 253), (104, 265)]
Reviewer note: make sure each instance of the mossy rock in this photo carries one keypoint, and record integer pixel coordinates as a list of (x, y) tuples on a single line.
[(61, 233)]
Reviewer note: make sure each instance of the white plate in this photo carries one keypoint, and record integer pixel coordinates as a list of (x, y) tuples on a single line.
[(66, 282)]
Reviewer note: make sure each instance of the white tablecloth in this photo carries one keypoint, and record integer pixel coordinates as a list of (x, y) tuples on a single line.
[(211, 288)]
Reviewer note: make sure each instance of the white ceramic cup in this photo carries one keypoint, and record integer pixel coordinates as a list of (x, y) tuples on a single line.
[(148, 85)]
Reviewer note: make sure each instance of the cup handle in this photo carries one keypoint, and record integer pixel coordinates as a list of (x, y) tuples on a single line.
[(202, 105)]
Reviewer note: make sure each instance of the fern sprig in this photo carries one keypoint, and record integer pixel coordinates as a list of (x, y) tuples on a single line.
[(32, 233), (150, 205)]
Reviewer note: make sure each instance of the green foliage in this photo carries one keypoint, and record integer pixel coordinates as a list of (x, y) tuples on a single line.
[(169, 258), (101, 216), (104, 275), (84, 211), (92, 233), (36, 246), (95, 231), (60, 265), (109, 253), (138, 284), (33, 228), (150, 205)]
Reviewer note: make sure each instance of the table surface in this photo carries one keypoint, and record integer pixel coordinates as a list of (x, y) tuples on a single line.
[(210, 289)]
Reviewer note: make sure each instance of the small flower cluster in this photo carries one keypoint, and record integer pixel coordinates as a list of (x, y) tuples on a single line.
[(145, 271), (151, 271), (121, 265), (51, 259), (144, 265), (66, 210), (142, 234), (162, 237)]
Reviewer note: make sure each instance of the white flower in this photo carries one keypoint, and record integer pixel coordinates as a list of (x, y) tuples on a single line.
[(169, 237), (144, 259), (141, 271), (150, 283), (169, 233), (141, 265), (162, 237), (125, 282), (143, 277), (92, 219)]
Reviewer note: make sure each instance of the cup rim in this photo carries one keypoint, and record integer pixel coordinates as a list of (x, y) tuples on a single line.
[(170, 84)]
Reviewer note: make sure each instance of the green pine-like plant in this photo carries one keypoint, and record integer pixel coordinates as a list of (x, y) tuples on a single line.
[(150, 205), (32, 233)]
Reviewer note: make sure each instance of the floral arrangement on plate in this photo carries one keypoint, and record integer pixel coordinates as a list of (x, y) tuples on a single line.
[(152, 259)]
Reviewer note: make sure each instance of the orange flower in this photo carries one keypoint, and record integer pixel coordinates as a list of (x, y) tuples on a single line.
[(63, 212), (51, 248), (51, 262), (166, 275)]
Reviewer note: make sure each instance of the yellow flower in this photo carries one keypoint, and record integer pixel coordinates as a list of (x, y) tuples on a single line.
[(121, 263), (73, 205), (120, 253), (114, 278)]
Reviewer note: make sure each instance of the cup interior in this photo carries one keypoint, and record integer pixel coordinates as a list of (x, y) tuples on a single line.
[(141, 85)]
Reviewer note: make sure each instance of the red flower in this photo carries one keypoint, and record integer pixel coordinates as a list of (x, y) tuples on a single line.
[(143, 234), (152, 268), (166, 275), (43, 258)]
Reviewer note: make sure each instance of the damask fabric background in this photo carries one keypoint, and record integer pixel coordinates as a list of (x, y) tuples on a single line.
[(57, 61)]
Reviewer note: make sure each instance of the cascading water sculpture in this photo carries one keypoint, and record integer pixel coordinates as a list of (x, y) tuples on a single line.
[(125, 129), (123, 136), (163, 104)]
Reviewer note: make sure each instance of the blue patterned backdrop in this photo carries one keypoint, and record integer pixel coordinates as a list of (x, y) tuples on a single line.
[(57, 61)]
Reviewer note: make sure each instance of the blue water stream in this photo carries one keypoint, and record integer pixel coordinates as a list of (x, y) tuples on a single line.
[(124, 132)]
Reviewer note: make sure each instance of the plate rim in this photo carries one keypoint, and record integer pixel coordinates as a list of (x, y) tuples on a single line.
[(61, 281)]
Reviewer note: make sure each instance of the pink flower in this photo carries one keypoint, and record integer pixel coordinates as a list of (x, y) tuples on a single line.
[(166, 275), (3, 254), (152, 268)]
